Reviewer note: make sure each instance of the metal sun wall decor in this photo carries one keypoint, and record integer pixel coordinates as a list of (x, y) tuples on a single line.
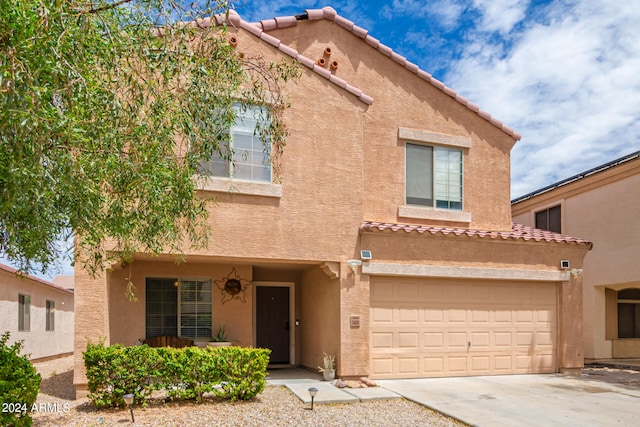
[(232, 287)]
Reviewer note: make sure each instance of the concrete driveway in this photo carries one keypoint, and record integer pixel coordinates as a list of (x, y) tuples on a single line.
[(526, 400)]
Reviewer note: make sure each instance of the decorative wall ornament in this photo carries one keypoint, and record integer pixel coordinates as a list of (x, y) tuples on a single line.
[(232, 287)]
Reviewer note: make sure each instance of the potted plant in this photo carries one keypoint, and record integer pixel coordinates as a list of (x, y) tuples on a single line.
[(220, 338), (329, 368)]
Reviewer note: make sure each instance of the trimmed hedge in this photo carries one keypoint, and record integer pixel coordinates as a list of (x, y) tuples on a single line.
[(185, 373)]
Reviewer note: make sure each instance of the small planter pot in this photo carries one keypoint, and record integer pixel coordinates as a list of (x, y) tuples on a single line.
[(218, 344), (329, 375)]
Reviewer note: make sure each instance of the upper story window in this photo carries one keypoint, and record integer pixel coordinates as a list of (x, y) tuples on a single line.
[(246, 157), (434, 176), (549, 219)]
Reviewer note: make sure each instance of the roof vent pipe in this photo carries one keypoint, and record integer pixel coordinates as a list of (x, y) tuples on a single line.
[(322, 62), (327, 51), (334, 65)]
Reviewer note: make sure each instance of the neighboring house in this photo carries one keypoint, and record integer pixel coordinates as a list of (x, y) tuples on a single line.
[(381, 157), (38, 312), (602, 205)]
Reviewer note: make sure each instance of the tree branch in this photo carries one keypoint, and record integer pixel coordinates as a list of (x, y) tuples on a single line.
[(108, 6)]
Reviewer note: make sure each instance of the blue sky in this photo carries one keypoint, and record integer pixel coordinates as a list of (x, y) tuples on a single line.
[(564, 74)]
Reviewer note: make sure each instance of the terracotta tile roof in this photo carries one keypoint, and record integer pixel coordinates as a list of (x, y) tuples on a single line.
[(260, 30), (518, 232)]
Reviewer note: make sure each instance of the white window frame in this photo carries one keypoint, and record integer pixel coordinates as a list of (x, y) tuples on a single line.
[(435, 177), (179, 308), (24, 312), (254, 114), (50, 315)]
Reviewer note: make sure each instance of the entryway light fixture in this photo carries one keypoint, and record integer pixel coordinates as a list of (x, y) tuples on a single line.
[(354, 263), (312, 392)]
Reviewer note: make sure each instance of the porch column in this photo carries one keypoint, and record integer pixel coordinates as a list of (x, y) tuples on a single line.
[(354, 323), (571, 348), (91, 321)]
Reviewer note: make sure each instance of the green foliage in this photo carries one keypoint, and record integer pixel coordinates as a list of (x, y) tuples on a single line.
[(220, 335), (187, 373), (243, 372), (19, 384), (104, 121), (116, 370)]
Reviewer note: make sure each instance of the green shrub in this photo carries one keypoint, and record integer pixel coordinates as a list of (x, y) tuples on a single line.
[(116, 370), (186, 373), (19, 384), (243, 372)]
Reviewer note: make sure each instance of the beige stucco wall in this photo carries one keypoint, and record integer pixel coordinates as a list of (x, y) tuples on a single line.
[(602, 208), (38, 342), (320, 318), (404, 100)]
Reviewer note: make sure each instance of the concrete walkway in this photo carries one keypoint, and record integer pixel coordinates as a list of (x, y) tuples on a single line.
[(298, 381), (509, 400), (525, 400)]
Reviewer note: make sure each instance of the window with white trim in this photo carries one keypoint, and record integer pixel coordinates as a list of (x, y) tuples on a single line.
[(24, 312), (433, 176), (247, 157), (178, 308), (50, 315)]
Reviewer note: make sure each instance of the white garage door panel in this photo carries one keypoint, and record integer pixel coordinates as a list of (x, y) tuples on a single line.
[(422, 328)]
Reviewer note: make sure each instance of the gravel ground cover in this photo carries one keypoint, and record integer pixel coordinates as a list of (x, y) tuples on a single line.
[(276, 406)]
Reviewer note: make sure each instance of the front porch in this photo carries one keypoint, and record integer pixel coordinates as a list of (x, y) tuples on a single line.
[(291, 308)]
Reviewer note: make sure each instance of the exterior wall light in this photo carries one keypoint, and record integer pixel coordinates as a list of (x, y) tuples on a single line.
[(354, 263)]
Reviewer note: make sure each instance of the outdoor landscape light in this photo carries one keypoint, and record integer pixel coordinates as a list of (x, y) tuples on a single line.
[(312, 392), (128, 399)]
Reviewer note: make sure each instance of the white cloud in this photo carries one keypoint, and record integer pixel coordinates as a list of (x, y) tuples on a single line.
[(569, 83), (501, 15)]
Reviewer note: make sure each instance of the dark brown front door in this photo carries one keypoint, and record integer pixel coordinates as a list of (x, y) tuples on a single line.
[(272, 321)]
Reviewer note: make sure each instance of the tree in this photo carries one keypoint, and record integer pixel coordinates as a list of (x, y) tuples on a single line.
[(107, 109)]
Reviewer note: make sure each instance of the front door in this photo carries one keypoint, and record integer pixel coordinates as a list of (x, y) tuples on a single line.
[(272, 322)]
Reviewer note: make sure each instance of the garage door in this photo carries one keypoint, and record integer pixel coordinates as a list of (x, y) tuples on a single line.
[(429, 328)]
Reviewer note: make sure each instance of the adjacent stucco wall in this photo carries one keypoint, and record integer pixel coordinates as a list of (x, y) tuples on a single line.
[(38, 342), (602, 208)]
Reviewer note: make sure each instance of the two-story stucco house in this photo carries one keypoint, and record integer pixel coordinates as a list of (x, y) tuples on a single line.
[(381, 158), (601, 204)]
